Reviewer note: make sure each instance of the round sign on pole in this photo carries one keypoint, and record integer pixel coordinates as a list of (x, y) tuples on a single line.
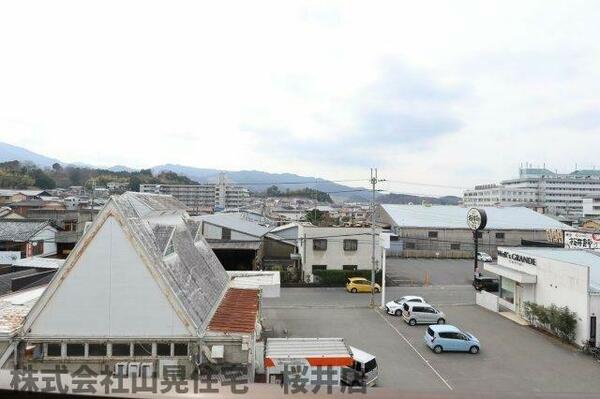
[(476, 219)]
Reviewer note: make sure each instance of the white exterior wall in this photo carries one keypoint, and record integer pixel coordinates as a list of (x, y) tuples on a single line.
[(212, 232), (335, 256), (121, 297), (558, 283), (48, 235)]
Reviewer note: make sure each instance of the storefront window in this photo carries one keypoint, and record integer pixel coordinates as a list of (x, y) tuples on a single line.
[(507, 290)]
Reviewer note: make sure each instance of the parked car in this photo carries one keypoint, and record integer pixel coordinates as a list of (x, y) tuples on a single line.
[(490, 284), (360, 284), (482, 256), (451, 339), (422, 313), (395, 307)]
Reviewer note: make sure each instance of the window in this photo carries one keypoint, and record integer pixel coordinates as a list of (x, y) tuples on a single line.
[(53, 350), (76, 350), (180, 350), (225, 234), (163, 349), (121, 350), (500, 236), (318, 267), (97, 350), (432, 234), (319, 245), (142, 349), (411, 245), (38, 247), (350, 267), (170, 248), (455, 247), (350, 245)]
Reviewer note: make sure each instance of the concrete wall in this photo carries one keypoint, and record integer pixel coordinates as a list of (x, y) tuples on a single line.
[(487, 300)]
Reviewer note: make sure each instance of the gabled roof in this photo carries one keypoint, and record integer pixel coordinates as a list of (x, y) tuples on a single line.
[(20, 230), (192, 278), (455, 217)]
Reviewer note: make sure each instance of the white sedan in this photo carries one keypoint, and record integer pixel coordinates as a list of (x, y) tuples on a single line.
[(484, 257), (395, 307)]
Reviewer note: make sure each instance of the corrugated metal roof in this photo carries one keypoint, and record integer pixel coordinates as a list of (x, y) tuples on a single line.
[(455, 217), (237, 312), (20, 230), (235, 222), (283, 348), (39, 263)]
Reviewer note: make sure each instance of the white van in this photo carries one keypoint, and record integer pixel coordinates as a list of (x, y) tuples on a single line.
[(364, 369)]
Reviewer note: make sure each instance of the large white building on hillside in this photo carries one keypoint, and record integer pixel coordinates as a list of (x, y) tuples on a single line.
[(558, 193)]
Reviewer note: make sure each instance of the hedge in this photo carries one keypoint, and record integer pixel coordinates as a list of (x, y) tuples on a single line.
[(559, 321), (338, 278)]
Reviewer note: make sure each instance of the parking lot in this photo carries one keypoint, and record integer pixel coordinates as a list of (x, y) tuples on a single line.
[(513, 358), (408, 271)]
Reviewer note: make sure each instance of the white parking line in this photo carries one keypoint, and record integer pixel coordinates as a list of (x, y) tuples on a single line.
[(415, 349)]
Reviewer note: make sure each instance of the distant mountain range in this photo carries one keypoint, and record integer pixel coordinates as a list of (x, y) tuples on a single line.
[(254, 180)]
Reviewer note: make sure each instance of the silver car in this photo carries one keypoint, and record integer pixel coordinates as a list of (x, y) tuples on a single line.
[(422, 313)]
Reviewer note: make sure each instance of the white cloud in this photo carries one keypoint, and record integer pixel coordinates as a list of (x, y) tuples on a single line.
[(286, 86)]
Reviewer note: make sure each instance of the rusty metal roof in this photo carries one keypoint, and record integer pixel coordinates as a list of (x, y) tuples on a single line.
[(237, 312)]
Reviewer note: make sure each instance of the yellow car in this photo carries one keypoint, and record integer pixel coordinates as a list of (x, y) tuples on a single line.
[(360, 284)]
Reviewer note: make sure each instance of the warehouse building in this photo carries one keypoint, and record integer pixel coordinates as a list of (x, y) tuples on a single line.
[(430, 231)]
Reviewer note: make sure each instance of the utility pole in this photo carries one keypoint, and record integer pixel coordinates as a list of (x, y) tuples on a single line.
[(374, 181)]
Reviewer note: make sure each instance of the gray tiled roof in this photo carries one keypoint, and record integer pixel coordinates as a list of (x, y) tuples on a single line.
[(20, 230), (193, 272)]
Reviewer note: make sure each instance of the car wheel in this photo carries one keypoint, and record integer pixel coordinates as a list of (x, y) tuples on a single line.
[(398, 313), (412, 322), (437, 349), (376, 290), (474, 350), (353, 290), (441, 321)]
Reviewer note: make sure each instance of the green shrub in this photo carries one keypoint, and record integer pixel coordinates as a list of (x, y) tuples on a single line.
[(559, 321), (338, 278)]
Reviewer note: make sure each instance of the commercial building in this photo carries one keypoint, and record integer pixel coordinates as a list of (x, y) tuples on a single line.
[(550, 276), (140, 291), (434, 231), (557, 193), (205, 197)]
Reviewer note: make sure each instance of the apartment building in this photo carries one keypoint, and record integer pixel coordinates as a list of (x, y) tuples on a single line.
[(591, 207), (205, 196)]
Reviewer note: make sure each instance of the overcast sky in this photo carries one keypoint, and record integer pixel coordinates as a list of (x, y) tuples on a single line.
[(449, 93)]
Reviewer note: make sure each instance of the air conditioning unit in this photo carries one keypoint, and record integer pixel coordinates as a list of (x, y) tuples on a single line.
[(121, 369)]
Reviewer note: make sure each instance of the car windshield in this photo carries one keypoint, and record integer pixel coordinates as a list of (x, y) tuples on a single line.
[(370, 365), (400, 300)]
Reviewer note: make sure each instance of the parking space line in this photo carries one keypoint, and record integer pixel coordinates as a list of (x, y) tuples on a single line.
[(414, 349)]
